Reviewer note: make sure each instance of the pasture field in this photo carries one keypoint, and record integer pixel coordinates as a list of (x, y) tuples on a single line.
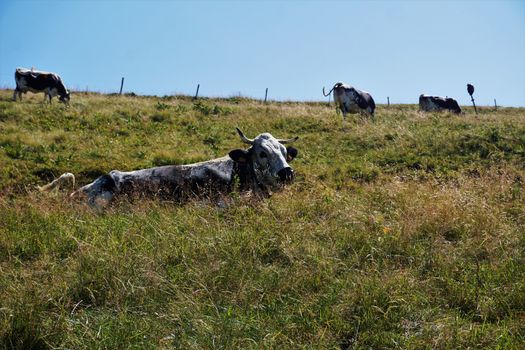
[(406, 232)]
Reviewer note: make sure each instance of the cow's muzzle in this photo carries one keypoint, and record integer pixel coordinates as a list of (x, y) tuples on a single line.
[(286, 174)]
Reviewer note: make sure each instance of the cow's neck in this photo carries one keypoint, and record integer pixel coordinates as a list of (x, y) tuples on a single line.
[(61, 88), (247, 179)]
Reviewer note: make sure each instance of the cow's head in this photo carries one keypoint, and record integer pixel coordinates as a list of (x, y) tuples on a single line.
[(268, 158), (452, 105), (65, 97)]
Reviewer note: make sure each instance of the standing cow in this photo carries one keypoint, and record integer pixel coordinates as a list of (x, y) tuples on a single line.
[(37, 81), (261, 168), (351, 100), (436, 103)]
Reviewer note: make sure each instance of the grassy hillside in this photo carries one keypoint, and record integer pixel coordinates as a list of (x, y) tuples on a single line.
[(405, 232)]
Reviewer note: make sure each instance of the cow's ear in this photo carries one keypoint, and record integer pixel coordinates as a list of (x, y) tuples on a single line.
[(291, 153), (239, 155)]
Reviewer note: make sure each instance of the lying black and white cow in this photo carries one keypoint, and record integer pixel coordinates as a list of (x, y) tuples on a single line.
[(37, 81), (436, 103), (352, 100), (261, 168)]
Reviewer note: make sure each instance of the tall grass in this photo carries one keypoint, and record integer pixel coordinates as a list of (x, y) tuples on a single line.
[(404, 232)]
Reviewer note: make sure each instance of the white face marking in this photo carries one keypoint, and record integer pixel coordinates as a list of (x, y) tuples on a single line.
[(268, 157), (428, 104)]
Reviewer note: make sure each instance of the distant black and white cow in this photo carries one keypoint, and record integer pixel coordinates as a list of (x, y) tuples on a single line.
[(262, 168), (37, 81), (351, 100), (436, 103)]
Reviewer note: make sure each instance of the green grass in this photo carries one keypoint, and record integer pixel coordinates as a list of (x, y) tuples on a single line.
[(404, 232)]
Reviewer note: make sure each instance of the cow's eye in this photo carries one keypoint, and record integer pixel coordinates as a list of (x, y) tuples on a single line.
[(263, 154)]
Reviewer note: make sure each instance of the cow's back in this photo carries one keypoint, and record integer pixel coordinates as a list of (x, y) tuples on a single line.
[(34, 81), (38, 80), (352, 100), (430, 103), (177, 181), (436, 103)]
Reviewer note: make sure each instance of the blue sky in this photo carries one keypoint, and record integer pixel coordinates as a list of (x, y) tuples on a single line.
[(398, 49)]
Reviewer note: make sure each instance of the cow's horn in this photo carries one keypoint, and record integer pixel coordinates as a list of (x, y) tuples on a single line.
[(244, 138), (285, 141), (328, 91)]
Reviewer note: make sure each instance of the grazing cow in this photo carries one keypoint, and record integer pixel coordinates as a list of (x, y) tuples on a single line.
[(352, 100), (37, 81), (436, 103), (261, 168)]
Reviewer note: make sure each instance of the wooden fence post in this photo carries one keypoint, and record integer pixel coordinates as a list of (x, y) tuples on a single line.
[(495, 105), (121, 86), (197, 92), (266, 95), (388, 101)]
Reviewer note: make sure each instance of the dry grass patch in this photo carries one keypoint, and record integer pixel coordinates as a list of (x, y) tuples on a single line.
[(402, 232)]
